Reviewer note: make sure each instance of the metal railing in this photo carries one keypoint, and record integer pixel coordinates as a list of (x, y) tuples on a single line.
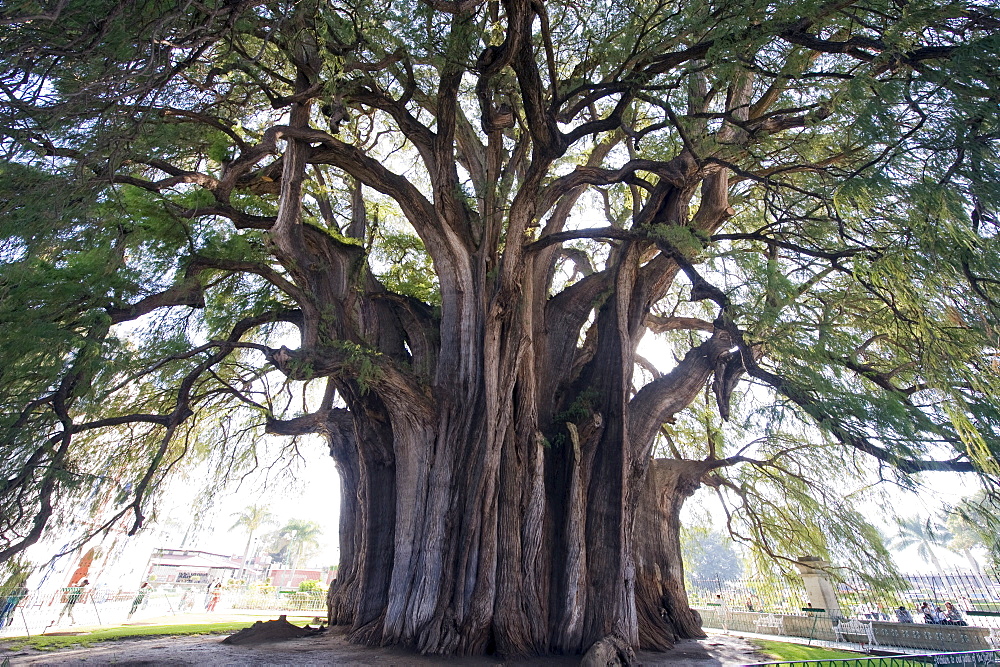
[(816, 626), (958, 659), (887, 614), (36, 613), (975, 593)]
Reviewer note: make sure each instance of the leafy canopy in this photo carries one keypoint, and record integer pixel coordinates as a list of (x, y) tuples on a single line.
[(852, 259)]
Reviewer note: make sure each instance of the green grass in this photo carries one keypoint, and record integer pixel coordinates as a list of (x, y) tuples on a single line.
[(791, 652), (784, 652), (52, 643)]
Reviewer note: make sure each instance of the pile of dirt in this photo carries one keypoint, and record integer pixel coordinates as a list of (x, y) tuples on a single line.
[(271, 631)]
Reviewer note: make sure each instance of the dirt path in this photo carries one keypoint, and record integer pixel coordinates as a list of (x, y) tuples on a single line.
[(333, 649)]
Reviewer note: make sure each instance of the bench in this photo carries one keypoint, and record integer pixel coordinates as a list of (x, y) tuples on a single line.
[(856, 627), (772, 622)]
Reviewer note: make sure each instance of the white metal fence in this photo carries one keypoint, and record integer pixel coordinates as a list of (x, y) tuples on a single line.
[(34, 613)]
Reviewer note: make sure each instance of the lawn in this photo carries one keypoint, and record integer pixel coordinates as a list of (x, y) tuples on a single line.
[(792, 652)]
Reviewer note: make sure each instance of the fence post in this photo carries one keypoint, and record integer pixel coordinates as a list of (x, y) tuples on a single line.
[(169, 605), (817, 584), (93, 600), (25, 621)]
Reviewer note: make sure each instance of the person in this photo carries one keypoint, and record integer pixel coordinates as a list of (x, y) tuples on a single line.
[(216, 594), (749, 604), (10, 604), (187, 600), (139, 598), (928, 613), (952, 616), (73, 594), (724, 608), (903, 616), (938, 615)]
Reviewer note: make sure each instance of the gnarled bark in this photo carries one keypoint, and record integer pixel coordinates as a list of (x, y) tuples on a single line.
[(661, 601)]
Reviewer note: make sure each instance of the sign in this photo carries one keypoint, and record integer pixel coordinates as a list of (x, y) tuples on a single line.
[(978, 658)]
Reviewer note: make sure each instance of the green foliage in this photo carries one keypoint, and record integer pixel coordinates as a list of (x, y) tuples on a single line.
[(709, 553), (294, 541), (682, 238), (580, 409), (310, 586), (972, 523), (253, 518), (922, 534), (15, 573), (408, 269)]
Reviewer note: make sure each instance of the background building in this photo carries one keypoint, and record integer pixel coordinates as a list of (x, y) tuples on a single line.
[(192, 567)]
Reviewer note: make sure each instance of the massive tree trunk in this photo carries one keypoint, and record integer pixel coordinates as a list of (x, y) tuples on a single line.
[(478, 527), (537, 553), (664, 614), (495, 480)]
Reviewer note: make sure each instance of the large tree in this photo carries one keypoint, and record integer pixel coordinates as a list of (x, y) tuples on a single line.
[(458, 220)]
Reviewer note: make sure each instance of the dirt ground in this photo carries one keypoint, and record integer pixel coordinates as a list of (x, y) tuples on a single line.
[(333, 649)]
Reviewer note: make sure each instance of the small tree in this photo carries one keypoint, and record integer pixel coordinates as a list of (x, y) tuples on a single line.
[(310, 586), (709, 553), (973, 523)]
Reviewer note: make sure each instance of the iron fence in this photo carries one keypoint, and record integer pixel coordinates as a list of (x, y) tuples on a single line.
[(753, 595), (976, 595), (958, 659), (300, 601), (906, 613), (35, 613)]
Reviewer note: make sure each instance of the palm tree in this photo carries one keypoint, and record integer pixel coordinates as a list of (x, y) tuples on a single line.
[(924, 535), (300, 534), (252, 519), (973, 524), (963, 538)]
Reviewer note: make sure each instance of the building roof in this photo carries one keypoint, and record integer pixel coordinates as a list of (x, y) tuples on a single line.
[(176, 558)]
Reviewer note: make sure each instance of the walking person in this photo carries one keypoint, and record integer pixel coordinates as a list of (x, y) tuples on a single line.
[(13, 599), (73, 594), (724, 609), (216, 594), (139, 598)]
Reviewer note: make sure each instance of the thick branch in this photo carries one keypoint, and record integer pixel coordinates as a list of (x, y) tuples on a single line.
[(658, 401), (659, 324)]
